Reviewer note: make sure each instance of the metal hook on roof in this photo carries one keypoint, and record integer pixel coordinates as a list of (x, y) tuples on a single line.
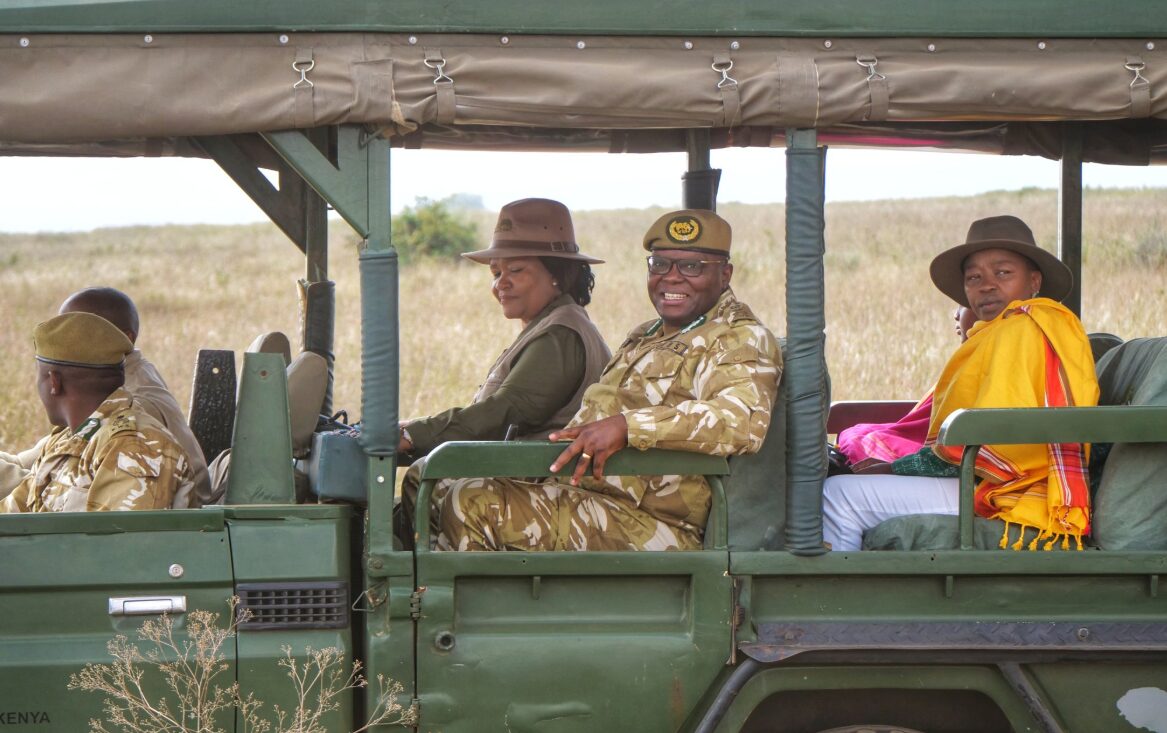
[(439, 67), (724, 67), (1137, 67), (869, 63), (303, 67)]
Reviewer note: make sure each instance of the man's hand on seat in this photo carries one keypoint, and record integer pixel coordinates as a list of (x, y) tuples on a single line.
[(593, 442)]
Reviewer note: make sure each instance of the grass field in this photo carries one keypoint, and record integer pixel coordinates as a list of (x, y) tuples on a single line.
[(889, 330)]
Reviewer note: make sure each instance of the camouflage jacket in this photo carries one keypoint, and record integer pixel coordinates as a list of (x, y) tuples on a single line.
[(119, 458), (707, 388)]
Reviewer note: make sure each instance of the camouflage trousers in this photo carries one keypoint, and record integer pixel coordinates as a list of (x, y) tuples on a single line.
[(509, 514)]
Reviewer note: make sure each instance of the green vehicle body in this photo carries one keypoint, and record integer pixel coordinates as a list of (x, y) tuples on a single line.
[(760, 631)]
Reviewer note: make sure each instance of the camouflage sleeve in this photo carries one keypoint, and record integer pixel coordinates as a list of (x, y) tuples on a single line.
[(733, 390), (15, 466), (18, 500), (136, 471)]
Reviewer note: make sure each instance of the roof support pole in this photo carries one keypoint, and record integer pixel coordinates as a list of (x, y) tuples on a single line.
[(699, 183), (1070, 212), (805, 369), (356, 183), (318, 293)]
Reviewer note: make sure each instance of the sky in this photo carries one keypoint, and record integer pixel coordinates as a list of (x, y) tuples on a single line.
[(74, 194)]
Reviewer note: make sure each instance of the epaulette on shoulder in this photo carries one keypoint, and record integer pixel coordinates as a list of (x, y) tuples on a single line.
[(121, 423), (738, 311)]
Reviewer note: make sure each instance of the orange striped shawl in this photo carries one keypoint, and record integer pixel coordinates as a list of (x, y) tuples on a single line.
[(1034, 354)]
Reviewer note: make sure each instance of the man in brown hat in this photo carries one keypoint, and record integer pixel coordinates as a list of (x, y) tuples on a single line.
[(701, 377), (1026, 350), (143, 381), (105, 453)]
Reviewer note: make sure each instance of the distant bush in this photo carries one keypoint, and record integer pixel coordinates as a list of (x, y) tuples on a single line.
[(431, 229)]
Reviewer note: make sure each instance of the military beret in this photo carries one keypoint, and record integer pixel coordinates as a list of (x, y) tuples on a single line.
[(80, 339), (696, 229)]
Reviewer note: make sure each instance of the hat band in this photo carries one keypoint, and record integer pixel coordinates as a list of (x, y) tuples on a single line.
[(568, 247), (58, 362)]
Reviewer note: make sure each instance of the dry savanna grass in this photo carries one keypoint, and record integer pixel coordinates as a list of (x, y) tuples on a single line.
[(889, 330)]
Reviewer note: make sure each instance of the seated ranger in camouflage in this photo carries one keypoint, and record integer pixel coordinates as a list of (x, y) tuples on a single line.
[(702, 377), (142, 381), (106, 452)]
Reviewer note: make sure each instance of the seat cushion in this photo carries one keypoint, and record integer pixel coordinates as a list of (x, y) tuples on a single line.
[(1130, 508), (942, 532)]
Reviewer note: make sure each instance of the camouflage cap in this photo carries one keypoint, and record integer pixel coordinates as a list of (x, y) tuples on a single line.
[(696, 229), (80, 339)]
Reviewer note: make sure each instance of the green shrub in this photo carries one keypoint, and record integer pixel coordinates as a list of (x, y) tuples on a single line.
[(431, 229)]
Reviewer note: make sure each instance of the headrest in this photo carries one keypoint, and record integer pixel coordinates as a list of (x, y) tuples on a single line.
[(307, 385), (272, 342)]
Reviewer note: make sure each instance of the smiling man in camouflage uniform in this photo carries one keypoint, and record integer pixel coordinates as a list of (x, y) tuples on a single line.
[(106, 453), (702, 377)]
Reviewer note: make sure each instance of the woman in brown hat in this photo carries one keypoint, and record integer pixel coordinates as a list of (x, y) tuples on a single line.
[(540, 278), (1026, 350)]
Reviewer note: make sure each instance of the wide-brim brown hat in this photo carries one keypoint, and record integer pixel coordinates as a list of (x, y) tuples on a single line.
[(1000, 232), (532, 228)]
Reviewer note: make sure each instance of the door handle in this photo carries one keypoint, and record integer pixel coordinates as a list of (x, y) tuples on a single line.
[(146, 605)]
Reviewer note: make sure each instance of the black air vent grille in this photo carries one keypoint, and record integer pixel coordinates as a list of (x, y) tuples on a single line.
[(322, 605)]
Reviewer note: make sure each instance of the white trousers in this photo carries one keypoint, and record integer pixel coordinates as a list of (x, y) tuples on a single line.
[(853, 504)]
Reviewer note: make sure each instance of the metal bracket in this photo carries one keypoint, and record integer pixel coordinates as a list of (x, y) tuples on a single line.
[(357, 185)]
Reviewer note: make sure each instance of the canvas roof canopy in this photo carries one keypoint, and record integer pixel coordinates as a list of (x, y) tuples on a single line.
[(172, 71)]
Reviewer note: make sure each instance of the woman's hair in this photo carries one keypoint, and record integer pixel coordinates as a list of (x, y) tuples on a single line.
[(575, 278)]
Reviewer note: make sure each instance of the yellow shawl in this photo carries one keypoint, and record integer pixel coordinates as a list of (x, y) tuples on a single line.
[(1034, 354)]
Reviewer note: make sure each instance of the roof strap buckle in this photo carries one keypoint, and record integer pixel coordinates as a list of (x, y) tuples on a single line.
[(438, 64), (303, 66), (724, 65), (869, 63)]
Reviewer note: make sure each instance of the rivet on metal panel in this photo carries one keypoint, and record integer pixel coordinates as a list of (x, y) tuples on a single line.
[(413, 40), (283, 38), (581, 45), (24, 43), (148, 38), (1083, 634), (444, 641), (380, 479), (176, 571), (504, 40), (931, 48), (1150, 45), (827, 44), (688, 45), (735, 45), (1041, 45)]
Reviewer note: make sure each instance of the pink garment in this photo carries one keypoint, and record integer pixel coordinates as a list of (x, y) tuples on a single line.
[(888, 441)]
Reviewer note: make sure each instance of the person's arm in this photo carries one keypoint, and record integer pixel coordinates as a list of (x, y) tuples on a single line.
[(735, 386), (19, 500), (14, 467), (545, 375), (135, 472)]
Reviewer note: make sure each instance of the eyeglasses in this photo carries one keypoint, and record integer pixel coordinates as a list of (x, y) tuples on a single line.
[(658, 265)]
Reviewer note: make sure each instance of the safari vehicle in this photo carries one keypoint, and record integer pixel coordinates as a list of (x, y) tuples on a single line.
[(763, 630)]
